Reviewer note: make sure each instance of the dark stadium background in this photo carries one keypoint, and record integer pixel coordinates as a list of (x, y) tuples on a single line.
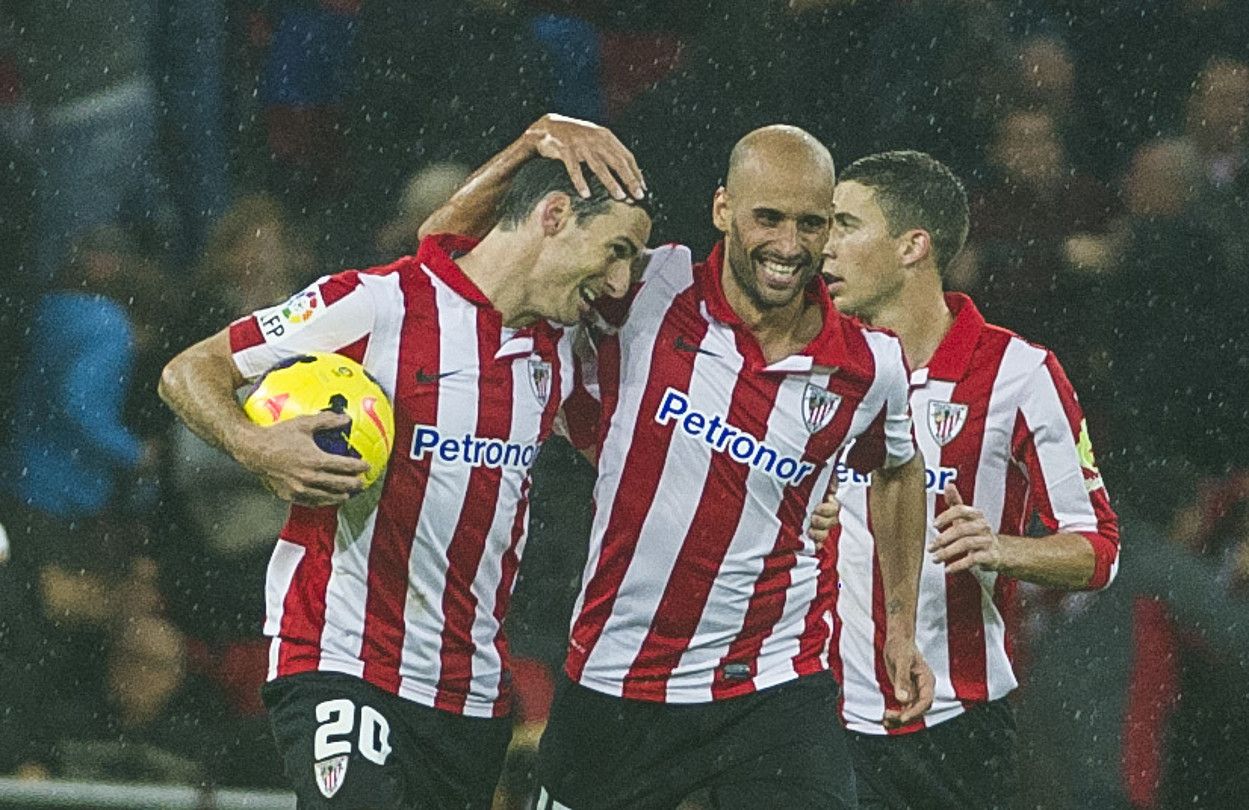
[(258, 144)]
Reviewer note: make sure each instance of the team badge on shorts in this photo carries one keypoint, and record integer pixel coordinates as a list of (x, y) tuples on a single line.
[(818, 407), (330, 774), (945, 420), (540, 379)]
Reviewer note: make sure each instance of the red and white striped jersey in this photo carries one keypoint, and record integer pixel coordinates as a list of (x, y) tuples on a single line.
[(408, 590), (701, 584), (996, 415)]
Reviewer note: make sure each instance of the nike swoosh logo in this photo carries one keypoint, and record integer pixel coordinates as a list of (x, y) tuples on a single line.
[(683, 345), (424, 378)]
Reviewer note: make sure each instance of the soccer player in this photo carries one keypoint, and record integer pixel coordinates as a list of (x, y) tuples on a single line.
[(1004, 439), (388, 680), (698, 656)]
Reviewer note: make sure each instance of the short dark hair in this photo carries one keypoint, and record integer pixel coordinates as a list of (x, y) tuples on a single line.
[(538, 178), (915, 190)]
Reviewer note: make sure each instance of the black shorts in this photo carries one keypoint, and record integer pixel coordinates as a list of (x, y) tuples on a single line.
[(347, 744), (780, 747), (970, 762)]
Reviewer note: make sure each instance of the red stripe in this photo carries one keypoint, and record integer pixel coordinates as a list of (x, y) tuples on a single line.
[(338, 286), (355, 350), (503, 598), (815, 635), (702, 553), (964, 610), (303, 608), (642, 467), (472, 529), (404, 489), (511, 558), (245, 334), (1152, 695)]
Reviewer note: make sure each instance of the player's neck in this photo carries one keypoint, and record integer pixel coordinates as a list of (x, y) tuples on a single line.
[(780, 331), (918, 315), (500, 266)]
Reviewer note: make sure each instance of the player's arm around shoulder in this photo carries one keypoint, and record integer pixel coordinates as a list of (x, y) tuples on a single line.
[(199, 385), (1082, 550)]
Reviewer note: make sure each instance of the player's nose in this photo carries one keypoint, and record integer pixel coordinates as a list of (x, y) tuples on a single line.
[(617, 280)]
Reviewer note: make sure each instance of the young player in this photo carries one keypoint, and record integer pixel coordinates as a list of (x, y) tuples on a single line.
[(389, 672), (1004, 438)]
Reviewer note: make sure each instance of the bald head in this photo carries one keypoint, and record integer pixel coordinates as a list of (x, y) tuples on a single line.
[(779, 148)]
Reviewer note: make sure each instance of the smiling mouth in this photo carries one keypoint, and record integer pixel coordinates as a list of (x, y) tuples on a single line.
[(779, 273)]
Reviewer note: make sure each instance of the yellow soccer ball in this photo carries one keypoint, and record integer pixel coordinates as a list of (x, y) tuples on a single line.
[(320, 381)]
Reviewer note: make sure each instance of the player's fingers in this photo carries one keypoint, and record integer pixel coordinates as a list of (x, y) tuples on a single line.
[(334, 464), (604, 173), (955, 513), (968, 561), (952, 495), (335, 484), (324, 420), (313, 495), (572, 164), (954, 550), (953, 533), (625, 166)]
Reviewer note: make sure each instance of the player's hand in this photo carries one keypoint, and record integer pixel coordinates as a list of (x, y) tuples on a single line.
[(966, 539), (826, 516), (573, 142), (912, 680), (293, 467)]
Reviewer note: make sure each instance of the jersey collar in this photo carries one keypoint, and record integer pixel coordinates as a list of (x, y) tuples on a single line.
[(435, 252), (827, 349), (952, 359)]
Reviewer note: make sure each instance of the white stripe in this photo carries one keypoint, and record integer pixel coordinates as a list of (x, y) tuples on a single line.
[(546, 802), (637, 349), (346, 592), (421, 662), (282, 565), (1059, 459), (667, 523), (782, 643)]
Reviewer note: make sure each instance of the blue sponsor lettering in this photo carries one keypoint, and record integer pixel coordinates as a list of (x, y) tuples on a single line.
[(722, 437), (472, 450), (934, 479)]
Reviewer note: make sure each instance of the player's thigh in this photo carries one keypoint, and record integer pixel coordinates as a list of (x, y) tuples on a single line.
[(788, 751), (603, 753), (969, 762), (455, 761), (336, 736)]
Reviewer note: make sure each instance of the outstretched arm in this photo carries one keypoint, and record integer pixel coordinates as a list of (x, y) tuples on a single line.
[(472, 209)]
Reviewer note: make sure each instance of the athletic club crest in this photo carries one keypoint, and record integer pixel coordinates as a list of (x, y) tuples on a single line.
[(330, 774), (818, 407), (945, 420), (540, 379)]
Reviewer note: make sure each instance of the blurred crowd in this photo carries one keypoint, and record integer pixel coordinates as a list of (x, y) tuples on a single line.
[(167, 167)]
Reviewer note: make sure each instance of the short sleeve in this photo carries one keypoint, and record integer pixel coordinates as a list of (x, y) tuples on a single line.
[(889, 440), (332, 313)]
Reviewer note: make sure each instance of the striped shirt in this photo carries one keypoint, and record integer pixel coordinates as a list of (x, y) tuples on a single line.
[(996, 415), (701, 584), (408, 589)]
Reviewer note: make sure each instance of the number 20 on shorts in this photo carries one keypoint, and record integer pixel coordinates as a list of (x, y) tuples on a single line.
[(337, 719)]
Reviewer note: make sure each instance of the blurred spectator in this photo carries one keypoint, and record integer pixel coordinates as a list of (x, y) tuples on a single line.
[(73, 454), (95, 107), (157, 725), (438, 80), (1217, 121), (1032, 203), (253, 260), (1178, 305), (423, 194)]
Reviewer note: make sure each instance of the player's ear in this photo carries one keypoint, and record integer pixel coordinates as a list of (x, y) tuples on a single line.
[(554, 212), (914, 246), (720, 214)]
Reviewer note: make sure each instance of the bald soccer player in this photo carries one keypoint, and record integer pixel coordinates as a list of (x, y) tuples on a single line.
[(698, 658)]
